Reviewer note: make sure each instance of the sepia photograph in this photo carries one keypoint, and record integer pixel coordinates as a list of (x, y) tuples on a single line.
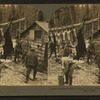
[(57, 48), (23, 46), (74, 39)]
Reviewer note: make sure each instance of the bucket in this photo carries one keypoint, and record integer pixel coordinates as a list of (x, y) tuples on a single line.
[(61, 80)]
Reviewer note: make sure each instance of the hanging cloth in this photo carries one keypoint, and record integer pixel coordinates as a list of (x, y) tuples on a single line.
[(66, 37), (73, 40), (68, 34), (61, 36), (58, 38)]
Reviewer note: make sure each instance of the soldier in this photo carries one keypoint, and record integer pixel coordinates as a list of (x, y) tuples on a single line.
[(31, 63)]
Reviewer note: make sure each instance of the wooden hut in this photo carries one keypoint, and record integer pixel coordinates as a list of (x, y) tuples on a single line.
[(37, 36)]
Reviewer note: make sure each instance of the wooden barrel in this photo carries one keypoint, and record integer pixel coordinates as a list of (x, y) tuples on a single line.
[(61, 80)]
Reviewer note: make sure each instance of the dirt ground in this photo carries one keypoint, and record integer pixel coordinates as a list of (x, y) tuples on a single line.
[(14, 75), (87, 75)]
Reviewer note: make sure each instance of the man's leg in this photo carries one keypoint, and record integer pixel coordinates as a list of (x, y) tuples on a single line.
[(27, 74), (58, 47), (51, 53), (18, 57), (91, 58), (34, 74), (55, 52), (15, 57), (66, 76), (70, 74), (88, 57), (70, 80)]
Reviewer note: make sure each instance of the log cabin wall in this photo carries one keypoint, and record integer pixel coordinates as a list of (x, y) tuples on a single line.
[(37, 38)]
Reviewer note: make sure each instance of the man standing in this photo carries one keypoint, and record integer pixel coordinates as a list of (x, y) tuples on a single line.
[(18, 49), (52, 48), (31, 63), (68, 66), (90, 51), (68, 71)]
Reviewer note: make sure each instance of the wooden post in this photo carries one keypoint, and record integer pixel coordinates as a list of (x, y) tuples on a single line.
[(25, 25), (98, 21), (19, 26), (19, 29), (92, 31), (84, 31), (46, 56)]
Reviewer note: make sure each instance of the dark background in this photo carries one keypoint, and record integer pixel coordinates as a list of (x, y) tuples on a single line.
[(51, 98), (49, 1)]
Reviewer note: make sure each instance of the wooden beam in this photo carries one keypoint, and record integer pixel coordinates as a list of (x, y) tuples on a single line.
[(74, 25), (15, 21), (98, 21)]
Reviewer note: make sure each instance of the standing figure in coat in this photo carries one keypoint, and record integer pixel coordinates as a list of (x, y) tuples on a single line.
[(52, 48), (90, 52), (68, 67), (31, 63), (18, 49)]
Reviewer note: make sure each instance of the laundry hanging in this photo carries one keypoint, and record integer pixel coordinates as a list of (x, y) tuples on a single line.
[(68, 34)]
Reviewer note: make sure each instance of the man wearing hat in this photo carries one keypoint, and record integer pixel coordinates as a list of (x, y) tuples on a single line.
[(31, 63)]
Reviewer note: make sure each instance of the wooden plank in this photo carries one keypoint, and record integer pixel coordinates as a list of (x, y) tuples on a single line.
[(46, 56)]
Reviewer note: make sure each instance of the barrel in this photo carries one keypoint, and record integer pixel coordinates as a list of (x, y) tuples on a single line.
[(61, 80)]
